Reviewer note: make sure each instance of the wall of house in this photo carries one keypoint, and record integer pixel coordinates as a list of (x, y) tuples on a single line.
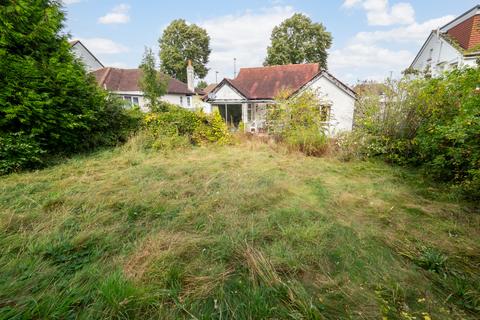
[(227, 93), (439, 55), (138, 94), (88, 60), (198, 104), (342, 104), (170, 98), (179, 99)]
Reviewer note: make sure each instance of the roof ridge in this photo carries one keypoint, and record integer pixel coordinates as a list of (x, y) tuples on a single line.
[(105, 76), (282, 65)]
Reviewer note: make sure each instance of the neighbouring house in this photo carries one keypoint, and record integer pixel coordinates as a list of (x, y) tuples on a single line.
[(86, 57), (209, 88), (247, 97), (455, 45), (125, 84)]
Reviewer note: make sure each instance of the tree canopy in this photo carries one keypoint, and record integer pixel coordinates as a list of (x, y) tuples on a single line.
[(299, 40), (181, 42), (202, 84)]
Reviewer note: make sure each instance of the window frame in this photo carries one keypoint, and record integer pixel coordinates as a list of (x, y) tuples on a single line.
[(250, 112), (326, 112)]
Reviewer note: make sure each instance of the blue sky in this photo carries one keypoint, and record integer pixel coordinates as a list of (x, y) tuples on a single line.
[(371, 37)]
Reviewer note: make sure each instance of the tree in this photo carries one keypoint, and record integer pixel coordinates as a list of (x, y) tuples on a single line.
[(152, 82), (299, 40), (48, 102), (202, 85), (181, 42)]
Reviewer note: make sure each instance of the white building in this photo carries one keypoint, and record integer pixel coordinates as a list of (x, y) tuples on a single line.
[(455, 45), (86, 57), (125, 84), (247, 97)]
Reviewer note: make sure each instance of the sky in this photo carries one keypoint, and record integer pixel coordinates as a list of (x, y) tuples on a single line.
[(372, 39)]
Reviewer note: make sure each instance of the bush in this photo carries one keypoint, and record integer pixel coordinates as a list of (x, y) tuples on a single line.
[(114, 125), (433, 123), (178, 127), (299, 123), (19, 151), (211, 128)]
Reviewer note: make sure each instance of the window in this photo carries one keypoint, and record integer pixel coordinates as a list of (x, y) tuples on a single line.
[(325, 112), (131, 101), (181, 101), (189, 102), (250, 112)]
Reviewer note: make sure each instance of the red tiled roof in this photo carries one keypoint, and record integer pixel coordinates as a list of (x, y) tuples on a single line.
[(467, 33), (209, 88), (267, 82), (114, 79)]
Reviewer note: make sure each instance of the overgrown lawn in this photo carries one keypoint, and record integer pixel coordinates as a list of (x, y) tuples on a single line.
[(235, 232)]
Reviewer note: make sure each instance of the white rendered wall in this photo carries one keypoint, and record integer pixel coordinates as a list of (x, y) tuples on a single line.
[(443, 56), (227, 93), (342, 104), (88, 60)]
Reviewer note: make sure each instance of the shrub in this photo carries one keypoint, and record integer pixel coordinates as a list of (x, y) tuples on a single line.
[(19, 151), (178, 127), (299, 122), (211, 128), (114, 124), (433, 123)]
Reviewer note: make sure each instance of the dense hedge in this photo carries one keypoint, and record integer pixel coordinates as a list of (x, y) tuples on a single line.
[(429, 122), (48, 103)]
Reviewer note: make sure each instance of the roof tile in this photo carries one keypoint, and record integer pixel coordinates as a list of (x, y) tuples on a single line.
[(114, 79), (267, 82)]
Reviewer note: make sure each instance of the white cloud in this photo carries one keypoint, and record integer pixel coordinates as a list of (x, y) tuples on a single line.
[(380, 13), (119, 14), (103, 46), (67, 2), (243, 36), (117, 64), (361, 61), (374, 54), (351, 3), (413, 33)]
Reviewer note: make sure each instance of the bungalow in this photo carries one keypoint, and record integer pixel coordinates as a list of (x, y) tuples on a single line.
[(454, 45), (247, 97), (125, 84)]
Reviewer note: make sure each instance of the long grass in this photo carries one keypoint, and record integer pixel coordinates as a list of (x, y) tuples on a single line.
[(234, 232)]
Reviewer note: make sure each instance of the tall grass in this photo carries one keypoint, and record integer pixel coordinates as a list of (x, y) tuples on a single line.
[(233, 232)]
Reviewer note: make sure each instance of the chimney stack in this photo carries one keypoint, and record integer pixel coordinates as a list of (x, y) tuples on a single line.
[(190, 76)]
